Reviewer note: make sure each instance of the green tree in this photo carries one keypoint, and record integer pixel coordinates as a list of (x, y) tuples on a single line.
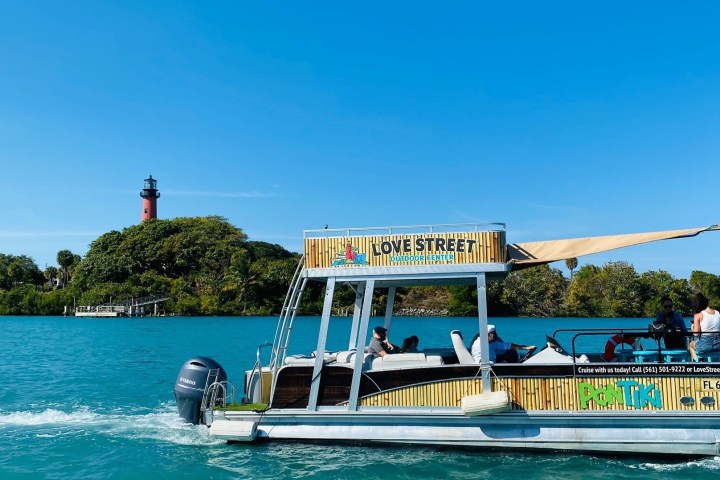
[(654, 286), (207, 264), (196, 248), (242, 274), (536, 291), (581, 299), (21, 300), (268, 294), (613, 290), (54, 302), (463, 301), (707, 284), (18, 270)]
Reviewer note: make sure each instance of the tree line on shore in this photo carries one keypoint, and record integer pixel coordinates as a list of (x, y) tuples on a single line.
[(209, 267)]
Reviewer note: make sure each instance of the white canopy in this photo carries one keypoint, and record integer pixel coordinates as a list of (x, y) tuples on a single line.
[(528, 254)]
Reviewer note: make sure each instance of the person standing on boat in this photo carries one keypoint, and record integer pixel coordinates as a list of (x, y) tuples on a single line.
[(674, 324), (706, 320), (500, 351), (379, 345)]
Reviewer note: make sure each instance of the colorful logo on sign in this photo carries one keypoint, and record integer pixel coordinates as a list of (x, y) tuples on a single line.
[(630, 393), (423, 249), (350, 256)]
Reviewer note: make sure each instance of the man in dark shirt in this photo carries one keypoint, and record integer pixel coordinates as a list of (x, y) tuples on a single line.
[(674, 326), (379, 345)]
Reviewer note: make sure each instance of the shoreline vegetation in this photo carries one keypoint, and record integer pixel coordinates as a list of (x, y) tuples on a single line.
[(209, 267)]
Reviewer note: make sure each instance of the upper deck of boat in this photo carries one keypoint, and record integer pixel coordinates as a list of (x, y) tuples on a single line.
[(407, 255)]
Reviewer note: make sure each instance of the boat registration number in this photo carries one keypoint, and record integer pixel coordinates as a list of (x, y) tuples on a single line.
[(707, 384)]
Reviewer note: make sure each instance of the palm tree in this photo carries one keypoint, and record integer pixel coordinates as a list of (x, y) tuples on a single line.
[(51, 274), (241, 275), (65, 259), (571, 264)]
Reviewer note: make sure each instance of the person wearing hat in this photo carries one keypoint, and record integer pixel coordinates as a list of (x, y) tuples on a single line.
[(500, 351), (379, 345)]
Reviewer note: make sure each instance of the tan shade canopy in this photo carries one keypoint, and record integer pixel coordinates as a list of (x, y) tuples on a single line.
[(523, 255)]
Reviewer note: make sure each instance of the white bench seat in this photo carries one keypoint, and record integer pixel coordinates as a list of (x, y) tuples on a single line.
[(397, 361), (309, 360)]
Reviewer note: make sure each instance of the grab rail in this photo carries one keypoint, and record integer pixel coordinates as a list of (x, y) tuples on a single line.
[(289, 308), (628, 333), (258, 367), (407, 229)]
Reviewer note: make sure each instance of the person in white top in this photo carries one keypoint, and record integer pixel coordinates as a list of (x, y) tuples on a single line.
[(706, 321), (500, 351)]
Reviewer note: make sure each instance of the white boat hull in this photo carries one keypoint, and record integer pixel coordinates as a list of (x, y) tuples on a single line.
[(616, 432)]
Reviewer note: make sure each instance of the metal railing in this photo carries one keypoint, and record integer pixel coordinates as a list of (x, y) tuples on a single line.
[(136, 301), (407, 229), (216, 392)]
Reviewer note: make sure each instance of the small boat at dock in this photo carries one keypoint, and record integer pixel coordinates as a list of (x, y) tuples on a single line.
[(629, 396)]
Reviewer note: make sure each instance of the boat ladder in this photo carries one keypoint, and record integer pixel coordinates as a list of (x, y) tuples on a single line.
[(215, 392), (287, 317)]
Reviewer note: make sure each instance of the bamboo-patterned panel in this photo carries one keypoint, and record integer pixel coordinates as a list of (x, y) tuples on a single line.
[(589, 394), (405, 250), (703, 392), (438, 394)]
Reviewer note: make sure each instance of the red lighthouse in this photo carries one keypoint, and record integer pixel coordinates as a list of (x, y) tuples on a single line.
[(149, 195)]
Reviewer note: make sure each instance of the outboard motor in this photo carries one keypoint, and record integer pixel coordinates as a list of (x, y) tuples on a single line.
[(190, 386)]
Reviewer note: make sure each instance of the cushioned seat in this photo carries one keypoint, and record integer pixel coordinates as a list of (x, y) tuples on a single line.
[(642, 356), (624, 355), (708, 356), (329, 356), (645, 356), (348, 357), (406, 360), (463, 355), (676, 355), (309, 360)]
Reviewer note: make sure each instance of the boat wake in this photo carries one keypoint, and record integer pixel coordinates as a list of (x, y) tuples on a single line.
[(309, 460), (704, 464), (162, 424)]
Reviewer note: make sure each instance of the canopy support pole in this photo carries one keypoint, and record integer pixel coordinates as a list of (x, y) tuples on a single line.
[(356, 315), (322, 337), (482, 329), (360, 345), (389, 307)]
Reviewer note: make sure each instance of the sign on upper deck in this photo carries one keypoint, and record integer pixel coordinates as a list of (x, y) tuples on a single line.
[(426, 245)]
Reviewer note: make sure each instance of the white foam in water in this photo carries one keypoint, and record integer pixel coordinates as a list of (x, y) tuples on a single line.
[(163, 424), (167, 427), (50, 416), (709, 464)]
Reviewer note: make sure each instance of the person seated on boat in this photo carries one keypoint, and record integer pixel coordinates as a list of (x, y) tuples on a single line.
[(674, 326), (500, 351), (380, 345), (410, 344), (706, 320)]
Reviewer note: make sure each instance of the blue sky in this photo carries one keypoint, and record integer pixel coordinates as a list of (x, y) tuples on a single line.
[(560, 119)]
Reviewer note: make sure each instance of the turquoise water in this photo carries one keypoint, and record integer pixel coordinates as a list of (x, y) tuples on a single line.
[(92, 399)]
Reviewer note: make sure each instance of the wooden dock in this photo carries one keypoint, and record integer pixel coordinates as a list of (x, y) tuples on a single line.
[(135, 307)]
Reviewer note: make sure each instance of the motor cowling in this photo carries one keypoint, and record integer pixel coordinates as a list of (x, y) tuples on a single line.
[(190, 386)]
